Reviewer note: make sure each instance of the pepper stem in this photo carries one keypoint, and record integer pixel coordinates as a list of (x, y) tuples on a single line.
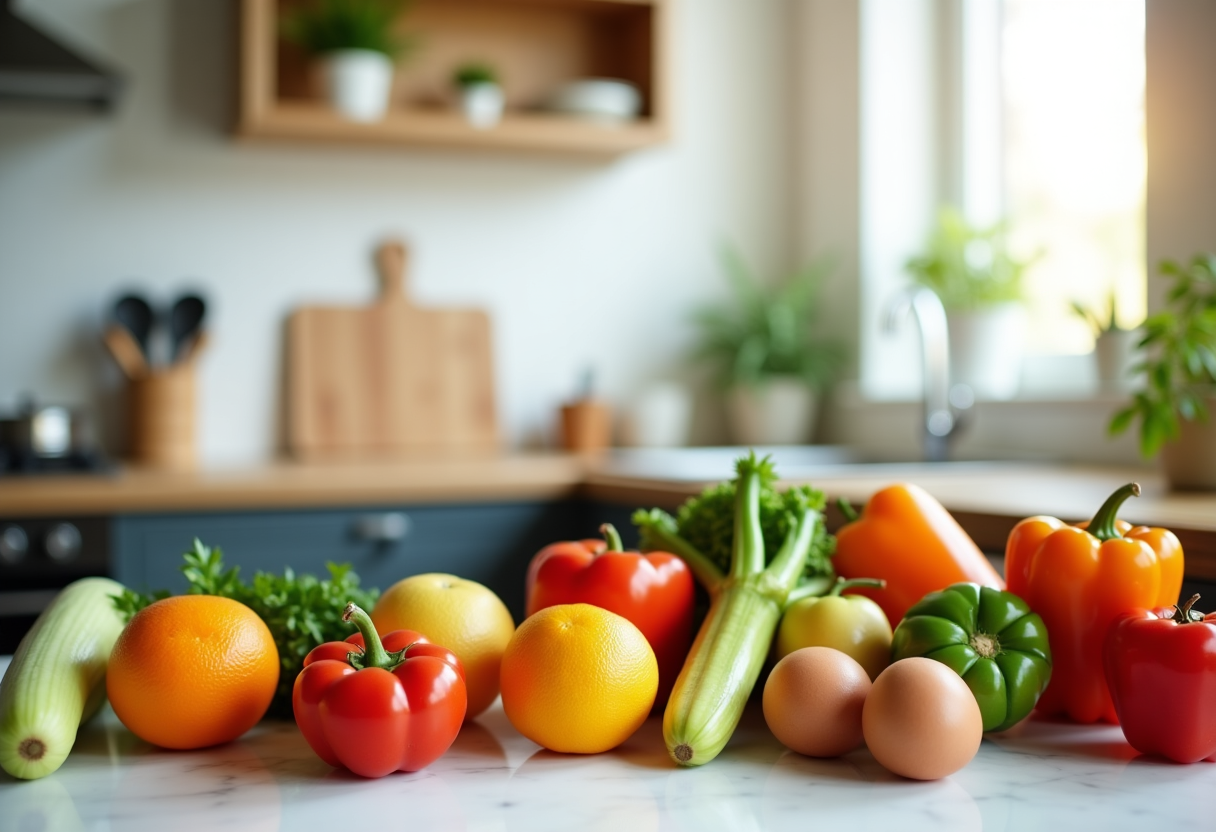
[(841, 584), (612, 536), (1184, 614), (1103, 524), (846, 508), (374, 654)]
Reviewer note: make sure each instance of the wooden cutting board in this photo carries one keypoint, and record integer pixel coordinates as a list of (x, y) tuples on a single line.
[(391, 377)]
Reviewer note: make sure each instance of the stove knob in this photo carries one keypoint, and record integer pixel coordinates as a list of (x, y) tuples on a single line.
[(14, 544), (62, 542)]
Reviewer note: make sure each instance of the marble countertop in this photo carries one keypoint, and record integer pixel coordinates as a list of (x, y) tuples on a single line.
[(1040, 775)]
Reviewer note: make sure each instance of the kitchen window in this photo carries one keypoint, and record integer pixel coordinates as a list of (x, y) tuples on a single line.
[(1031, 110)]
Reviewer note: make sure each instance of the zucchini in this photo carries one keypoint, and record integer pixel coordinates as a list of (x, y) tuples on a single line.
[(57, 678), (746, 605)]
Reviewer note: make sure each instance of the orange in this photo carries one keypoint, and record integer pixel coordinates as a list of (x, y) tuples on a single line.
[(461, 615), (192, 671), (578, 679)]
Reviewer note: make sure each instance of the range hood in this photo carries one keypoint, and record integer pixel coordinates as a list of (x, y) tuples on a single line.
[(35, 69)]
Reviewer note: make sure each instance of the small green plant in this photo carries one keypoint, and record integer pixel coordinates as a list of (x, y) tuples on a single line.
[(1179, 357), (968, 267), (466, 75), (1099, 321), (324, 26), (765, 330)]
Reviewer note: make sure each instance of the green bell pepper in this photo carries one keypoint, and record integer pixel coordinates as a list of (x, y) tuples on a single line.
[(988, 637)]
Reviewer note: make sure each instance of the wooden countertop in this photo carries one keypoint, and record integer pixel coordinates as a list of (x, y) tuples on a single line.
[(296, 485), (987, 498)]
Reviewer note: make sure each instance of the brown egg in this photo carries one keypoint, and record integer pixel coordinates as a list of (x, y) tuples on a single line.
[(921, 720), (813, 701)]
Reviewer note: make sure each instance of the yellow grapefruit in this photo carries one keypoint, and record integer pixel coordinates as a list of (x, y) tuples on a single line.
[(578, 679)]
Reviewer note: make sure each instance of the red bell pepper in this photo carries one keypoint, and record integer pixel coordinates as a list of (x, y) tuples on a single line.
[(376, 705), (1161, 670), (653, 591)]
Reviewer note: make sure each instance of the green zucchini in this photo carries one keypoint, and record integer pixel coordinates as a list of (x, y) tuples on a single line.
[(746, 605), (57, 677)]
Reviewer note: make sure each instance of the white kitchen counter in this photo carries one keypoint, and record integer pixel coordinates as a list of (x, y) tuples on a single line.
[(1041, 775)]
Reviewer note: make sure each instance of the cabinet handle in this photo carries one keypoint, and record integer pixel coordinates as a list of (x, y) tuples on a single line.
[(389, 527)]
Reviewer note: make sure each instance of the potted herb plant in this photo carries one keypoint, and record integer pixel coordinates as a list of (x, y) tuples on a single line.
[(357, 44), (1178, 358), (481, 95), (980, 286), (762, 347), (1114, 346)]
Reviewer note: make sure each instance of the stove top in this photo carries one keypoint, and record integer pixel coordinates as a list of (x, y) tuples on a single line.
[(17, 463)]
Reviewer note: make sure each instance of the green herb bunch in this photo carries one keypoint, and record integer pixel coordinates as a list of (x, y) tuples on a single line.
[(301, 611), (1179, 357), (323, 26), (766, 330), (707, 521), (968, 267)]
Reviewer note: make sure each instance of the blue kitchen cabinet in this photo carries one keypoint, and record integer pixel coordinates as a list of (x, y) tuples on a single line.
[(490, 543)]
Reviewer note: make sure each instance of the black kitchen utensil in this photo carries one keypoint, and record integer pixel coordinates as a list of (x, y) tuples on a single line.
[(136, 316), (185, 321)]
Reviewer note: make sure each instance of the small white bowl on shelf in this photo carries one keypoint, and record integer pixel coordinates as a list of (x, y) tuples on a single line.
[(606, 100)]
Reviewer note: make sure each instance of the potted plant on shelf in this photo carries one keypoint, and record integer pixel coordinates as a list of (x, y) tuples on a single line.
[(1178, 359), (357, 44), (762, 347), (481, 95), (1114, 346), (980, 286)]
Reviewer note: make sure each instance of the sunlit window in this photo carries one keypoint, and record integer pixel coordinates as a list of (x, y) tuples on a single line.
[(1072, 78)]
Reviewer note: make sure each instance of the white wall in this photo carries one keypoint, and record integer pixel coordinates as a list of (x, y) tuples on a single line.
[(577, 263), (1180, 110)]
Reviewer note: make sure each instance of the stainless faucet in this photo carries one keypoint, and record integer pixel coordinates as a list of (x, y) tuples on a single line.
[(944, 405)]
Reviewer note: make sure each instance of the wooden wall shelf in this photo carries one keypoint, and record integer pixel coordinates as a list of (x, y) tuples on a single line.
[(536, 44)]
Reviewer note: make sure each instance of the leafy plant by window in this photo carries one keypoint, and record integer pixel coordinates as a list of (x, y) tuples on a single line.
[(1100, 321), (472, 73), (765, 330), (323, 26), (968, 267), (1179, 357)]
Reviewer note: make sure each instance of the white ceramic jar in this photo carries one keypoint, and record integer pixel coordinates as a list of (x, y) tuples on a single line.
[(358, 83)]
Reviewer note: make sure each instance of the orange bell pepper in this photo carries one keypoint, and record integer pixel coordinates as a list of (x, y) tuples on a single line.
[(1079, 579), (907, 538)]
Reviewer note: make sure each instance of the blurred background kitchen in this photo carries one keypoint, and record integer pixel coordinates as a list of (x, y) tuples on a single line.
[(770, 134), (454, 237)]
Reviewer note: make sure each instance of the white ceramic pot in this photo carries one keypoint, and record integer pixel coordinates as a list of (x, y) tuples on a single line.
[(776, 411), (358, 83), (482, 104), (986, 349), (1190, 461), (659, 417), (1115, 353)]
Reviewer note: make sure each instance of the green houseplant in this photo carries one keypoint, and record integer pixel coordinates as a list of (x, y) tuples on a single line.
[(481, 94), (1114, 346), (979, 282), (1178, 360), (357, 43), (761, 346)]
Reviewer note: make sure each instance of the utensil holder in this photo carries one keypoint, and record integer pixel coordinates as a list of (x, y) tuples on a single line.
[(161, 412), (586, 427)]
